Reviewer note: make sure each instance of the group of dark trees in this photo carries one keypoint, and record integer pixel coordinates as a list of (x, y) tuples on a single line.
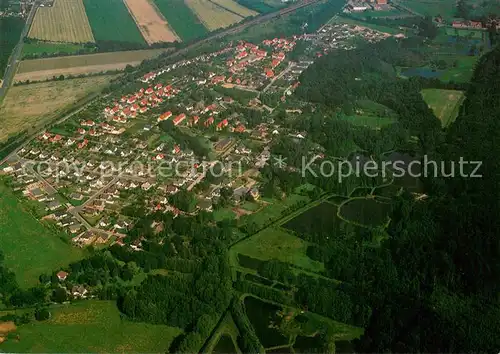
[(442, 296)]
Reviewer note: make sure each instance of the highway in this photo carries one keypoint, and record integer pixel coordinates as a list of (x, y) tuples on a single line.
[(10, 71)]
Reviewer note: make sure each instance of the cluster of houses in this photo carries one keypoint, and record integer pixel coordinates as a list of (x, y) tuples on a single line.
[(106, 151)]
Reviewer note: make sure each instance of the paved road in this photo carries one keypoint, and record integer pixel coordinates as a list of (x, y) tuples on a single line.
[(15, 56)]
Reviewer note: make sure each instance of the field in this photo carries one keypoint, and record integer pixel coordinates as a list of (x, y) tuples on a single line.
[(369, 121), (111, 21), (11, 32), (29, 106), (315, 221), (262, 6), (65, 21), (277, 244), (181, 18), (211, 15), (444, 103), (30, 248), (42, 69), (153, 26), (52, 48), (463, 71), (367, 212), (235, 7), (445, 8), (91, 326)]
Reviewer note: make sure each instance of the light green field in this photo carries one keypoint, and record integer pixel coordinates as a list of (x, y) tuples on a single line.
[(90, 326), (30, 248), (368, 25), (444, 103), (445, 8), (463, 70), (274, 243)]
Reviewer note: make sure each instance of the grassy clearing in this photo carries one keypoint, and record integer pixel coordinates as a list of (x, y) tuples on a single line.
[(184, 22), (91, 326), (369, 121), (212, 16), (274, 243), (30, 248), (444, 103), (28, 107), (463, 70), (64, 21), (111, 21)]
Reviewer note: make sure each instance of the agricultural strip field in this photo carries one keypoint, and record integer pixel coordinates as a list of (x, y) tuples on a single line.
[(90, 326), (153, 26), (182, 19), (29, 106), (41, 69), (111, 21), (52, 48), (11, 32), (261, 6), (29, 247), (235, 7), (274, 243), (211, 15), (65, 21), (444, 103)]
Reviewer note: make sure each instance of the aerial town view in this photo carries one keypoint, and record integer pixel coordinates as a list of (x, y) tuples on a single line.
[(249, 176)]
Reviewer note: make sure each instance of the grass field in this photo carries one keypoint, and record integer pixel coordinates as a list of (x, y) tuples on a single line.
[(233, 6), (30, 248), (212, 16), (181, 18), (91, 326), (11, 28), (111, 21), (52, 48), (42, 69), (26, 107), (274, 243), (153, 26), (463, 71), (445, 8), (369, 121), (444, 103), (65, 21)]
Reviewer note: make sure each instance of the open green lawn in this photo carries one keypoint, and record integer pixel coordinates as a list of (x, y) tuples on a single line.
[(182, 19), (444, 103), (30, 248), (90, 326), (111, 21), (275, 243), (381, 28)]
